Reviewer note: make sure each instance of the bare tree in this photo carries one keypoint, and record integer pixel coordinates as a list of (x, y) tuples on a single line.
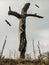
[(22, 26)]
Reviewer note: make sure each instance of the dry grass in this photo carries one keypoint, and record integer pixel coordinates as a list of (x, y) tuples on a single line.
[(23, 62)]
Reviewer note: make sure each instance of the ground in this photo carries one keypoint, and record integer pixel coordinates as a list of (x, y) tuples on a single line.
[(23, 62)]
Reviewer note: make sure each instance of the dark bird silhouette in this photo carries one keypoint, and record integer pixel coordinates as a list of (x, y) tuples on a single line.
[(36, 5), (7, 22)]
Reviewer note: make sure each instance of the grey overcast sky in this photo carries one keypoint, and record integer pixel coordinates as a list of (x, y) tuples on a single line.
[(36, 29)]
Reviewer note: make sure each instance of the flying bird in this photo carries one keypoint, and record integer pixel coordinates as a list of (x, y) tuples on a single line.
[(7, 22), (36, 5)]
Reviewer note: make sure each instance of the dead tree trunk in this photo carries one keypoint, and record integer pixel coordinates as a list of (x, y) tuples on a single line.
[(22, 26)]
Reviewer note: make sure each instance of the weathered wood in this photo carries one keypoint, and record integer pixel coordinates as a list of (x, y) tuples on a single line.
[(14, 13), (34, 15), (22, 30), (22, 27)]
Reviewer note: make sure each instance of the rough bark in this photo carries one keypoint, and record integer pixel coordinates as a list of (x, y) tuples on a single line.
[(22, 27)]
